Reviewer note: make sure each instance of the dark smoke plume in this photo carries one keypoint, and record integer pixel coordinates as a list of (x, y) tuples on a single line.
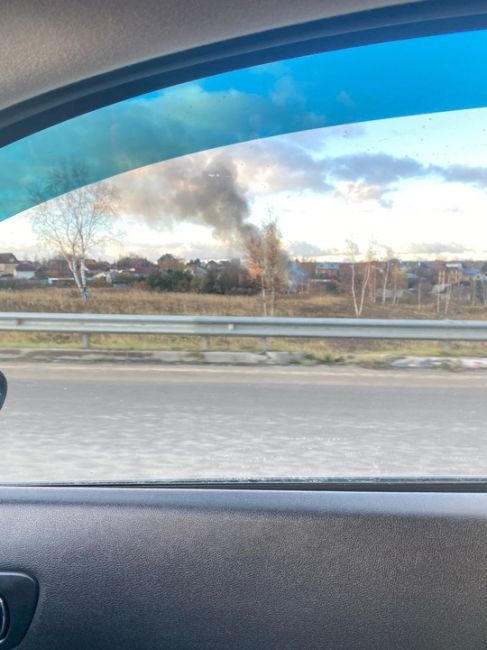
[(201, 189)]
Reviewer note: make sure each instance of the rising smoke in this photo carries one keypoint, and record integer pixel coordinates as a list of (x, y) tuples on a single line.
[(201, 189), (213, 188)]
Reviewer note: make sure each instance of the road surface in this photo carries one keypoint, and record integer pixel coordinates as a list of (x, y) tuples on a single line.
[(152, 422)]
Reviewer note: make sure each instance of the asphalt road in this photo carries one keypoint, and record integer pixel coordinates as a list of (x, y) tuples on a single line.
[(137, 422)]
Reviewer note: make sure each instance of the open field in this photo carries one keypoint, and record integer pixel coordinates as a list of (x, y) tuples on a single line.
[(138, 301), (142, 301)]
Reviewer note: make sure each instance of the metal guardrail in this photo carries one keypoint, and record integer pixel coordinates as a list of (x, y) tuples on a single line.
[(263, 328)]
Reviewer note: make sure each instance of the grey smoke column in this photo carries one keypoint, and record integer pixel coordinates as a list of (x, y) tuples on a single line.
[(200, 189)]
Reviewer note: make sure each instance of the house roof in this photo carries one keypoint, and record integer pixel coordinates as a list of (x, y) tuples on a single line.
[(25, 267), (143, 268), (8, 258), (328, 266)]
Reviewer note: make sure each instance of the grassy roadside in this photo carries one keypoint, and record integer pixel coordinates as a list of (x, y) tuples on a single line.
[(317, 351), (138, 301)]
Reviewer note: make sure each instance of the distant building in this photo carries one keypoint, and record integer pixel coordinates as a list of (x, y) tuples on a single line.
[(196, 269), (308, 268), (327, 270), (471, 272), (56, 267), (213, 266), (96, 267), (168, 262), (24, 271), (130, 263), (8, 263), (143, 270)]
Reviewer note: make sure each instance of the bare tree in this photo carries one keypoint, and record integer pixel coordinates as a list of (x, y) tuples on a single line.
[(444, 291), (399, 281), (75, 222), (386, 271), (360, 274), (267, 261)]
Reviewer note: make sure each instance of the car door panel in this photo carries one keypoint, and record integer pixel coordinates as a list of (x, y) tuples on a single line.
[(175, 568)]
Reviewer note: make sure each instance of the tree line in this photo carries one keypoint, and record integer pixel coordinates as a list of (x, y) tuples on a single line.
[(76, 223)]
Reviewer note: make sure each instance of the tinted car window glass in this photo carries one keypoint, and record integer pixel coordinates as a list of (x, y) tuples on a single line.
[(273, 273)]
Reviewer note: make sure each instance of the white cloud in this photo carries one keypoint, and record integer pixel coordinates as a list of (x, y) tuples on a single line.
[(358, 192)]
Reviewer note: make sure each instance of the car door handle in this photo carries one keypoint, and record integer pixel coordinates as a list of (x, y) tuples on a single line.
[(3, 390), (3, 618), (18, 600)]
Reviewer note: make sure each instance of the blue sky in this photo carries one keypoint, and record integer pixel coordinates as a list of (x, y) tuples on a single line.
[(357, 165), (415, 184)]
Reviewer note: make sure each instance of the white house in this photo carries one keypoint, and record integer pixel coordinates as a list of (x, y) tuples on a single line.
[(24, 271)]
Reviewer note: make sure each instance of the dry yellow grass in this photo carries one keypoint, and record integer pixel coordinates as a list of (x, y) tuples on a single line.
[(138, 301)]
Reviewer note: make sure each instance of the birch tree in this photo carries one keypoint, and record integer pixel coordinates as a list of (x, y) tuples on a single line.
[(74, 223), (360, 274), (267, 261), (386, 271)]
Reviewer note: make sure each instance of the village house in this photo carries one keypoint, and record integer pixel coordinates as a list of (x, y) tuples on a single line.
[(327, 271), (212, 266), (142, 270), (95, 267), (25, 271), (56, 267), (168, 262), (8, 263), (196, 269)]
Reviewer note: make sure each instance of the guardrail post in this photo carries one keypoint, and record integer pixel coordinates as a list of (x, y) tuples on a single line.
[(85, 341), (263, 344), (446, 346), (206, 343)]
